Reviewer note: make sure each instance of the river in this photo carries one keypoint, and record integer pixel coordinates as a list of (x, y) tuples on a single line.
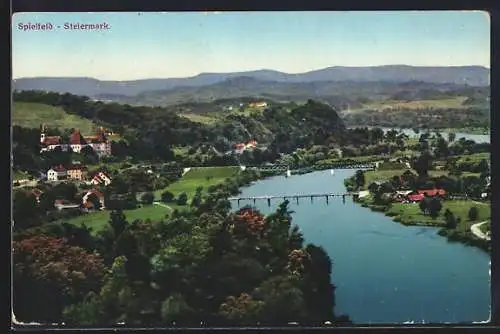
[(384, 272), (469, 136)]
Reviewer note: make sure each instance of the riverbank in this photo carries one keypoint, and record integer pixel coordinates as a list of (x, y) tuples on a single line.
[(467, 130), (411, 215)]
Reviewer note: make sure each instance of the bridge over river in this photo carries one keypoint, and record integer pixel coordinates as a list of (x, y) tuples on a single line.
[(326, 196)]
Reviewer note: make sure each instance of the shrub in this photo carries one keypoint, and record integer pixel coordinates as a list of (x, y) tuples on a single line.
[(473, 213), (167, 196), (182, 199), (147, 198)]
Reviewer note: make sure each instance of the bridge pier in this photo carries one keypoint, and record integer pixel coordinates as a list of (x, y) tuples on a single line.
[(326, 199), (254, 201), (297, 199), (311, 199), (268, 202), (239, 202)]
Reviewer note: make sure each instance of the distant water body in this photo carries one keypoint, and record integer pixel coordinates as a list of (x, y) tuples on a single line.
[(384, 272), (410, 133)]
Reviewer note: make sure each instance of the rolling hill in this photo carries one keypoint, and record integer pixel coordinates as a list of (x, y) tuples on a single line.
[(346, 94), (113, 90), (31, 115)]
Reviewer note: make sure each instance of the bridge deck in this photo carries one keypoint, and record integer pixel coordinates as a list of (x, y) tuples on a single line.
[(291, 196)]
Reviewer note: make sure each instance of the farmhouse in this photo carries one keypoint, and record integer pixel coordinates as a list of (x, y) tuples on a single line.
[(88, 204), (101, 178), (77, 172), (57, 173), (433, 192)]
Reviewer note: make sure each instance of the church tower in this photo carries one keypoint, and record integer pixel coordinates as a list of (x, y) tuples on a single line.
[(42, 133)]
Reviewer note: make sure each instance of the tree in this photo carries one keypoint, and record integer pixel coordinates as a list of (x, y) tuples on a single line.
[(147, 198), (167, 196), (423, 205), (359, 178), (473, 213), (118, 222), (175, 310), (57, 273), (483, 166), (423, 164), (182, 199), (25, 213), (441, 149), (196, 200), (434, 207), (450, 219), (373, 188)]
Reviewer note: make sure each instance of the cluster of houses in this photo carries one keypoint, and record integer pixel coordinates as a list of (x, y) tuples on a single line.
[(417, 196), (240, 147), (86, 204), (76, 143), (76, 172)]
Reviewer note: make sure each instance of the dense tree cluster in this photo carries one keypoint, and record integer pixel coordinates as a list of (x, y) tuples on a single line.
[(207, 264)]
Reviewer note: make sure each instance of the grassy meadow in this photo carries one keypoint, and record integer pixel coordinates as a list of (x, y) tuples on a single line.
[(31, 115), (199, 176), (408, 213), (452, 103)]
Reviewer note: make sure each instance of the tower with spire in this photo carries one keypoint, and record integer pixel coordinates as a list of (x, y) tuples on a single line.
[(43, 130)]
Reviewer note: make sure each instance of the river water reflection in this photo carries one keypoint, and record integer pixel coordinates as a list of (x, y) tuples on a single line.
[(410, 133), (384, 272)]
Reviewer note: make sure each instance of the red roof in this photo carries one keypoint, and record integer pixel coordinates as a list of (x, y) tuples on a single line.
[(62, 202), (88, 204), (98, 138), (37, 192), (76, 138), (59, 168), (96, 192), (433, 192), (416, 197), (77, 167), (55, 140)]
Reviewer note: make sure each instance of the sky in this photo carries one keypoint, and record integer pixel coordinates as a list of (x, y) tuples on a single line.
[(184, 44)]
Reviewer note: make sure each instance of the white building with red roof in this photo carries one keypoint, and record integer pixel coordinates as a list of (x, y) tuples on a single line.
[(101, 178), (57, 173), (89, 204)]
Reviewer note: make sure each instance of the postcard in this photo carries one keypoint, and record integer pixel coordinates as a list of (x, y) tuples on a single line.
[(201, 169)]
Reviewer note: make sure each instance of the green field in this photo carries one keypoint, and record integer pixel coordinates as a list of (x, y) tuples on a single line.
[(381, 175), (98, 220), (200, 118), (452, 103), (476, 157), (188, 183), (18, 175), (199, 176), (31, 115), (412, 213)]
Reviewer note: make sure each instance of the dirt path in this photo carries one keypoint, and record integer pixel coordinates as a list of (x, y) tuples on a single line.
[(475, 229), (163, 205)]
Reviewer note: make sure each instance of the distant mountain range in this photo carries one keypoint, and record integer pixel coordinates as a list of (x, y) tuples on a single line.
[(262, 79)]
